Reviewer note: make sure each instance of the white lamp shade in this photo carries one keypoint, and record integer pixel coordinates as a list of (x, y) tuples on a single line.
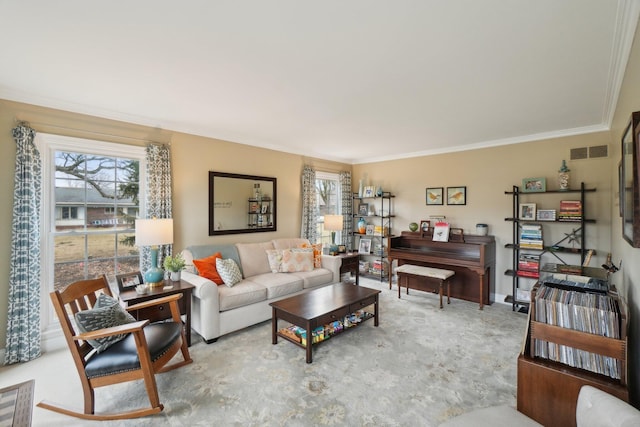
[(154, 232), (333, 222)]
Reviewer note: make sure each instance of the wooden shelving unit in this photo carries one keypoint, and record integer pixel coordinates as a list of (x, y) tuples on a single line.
[(548, 390)]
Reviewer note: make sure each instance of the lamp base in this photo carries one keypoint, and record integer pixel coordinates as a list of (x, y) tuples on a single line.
[(154, 276)]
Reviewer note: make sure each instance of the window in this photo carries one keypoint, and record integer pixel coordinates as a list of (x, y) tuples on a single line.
[(91, 192), (328, 195), (69, 212)]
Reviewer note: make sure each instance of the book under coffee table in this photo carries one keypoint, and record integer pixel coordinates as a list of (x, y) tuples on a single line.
[(321, 307)]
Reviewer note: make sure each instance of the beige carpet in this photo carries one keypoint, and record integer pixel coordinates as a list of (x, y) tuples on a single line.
[(421, 366)]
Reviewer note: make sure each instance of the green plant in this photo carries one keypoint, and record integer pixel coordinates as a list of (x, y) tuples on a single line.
[(174, 263)]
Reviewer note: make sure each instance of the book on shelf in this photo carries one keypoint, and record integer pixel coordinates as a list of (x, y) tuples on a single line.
[(529, 262), (570, 210), (529, 274)]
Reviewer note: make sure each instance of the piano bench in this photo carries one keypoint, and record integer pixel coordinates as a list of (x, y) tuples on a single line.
[(418, 277)]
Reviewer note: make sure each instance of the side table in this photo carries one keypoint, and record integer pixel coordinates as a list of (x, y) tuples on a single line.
[(350, 264), (162, 312)]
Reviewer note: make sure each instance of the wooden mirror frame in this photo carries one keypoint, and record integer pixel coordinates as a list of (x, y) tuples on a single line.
[(239, 203), (629, 191)]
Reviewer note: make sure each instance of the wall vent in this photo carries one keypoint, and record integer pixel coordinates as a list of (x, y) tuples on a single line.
[(593, 152)]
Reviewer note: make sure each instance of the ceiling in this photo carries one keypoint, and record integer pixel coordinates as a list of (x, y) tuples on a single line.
[(353, 81)]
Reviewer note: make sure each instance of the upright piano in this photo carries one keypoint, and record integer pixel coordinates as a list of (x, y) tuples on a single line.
[(473, 260)]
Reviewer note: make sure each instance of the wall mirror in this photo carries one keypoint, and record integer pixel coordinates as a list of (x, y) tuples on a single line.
[(629, 191), (241, 203)]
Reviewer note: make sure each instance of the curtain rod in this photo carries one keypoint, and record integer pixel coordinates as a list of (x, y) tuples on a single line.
[(64, 128)]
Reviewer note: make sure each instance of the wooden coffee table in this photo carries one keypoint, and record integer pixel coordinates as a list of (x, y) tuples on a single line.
[(320, 307)]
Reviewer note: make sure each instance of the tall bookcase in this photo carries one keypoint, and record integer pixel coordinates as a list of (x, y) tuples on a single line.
[(548, 390), (557, 251), (379, 217)]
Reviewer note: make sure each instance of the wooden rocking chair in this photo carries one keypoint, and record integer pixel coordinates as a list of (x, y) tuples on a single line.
[(145, 350)]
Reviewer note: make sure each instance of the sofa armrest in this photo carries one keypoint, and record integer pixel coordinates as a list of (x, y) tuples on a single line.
[(333, 264), (204, 288)]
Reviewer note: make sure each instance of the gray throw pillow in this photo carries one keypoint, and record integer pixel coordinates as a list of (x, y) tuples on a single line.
[(228, 271), (105, 314)]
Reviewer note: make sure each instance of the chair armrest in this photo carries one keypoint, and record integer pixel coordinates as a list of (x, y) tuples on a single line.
[(114, 330), (154, 302)]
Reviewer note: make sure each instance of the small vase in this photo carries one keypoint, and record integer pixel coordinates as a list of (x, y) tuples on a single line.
[(362, 226), (175, 276), (360, 189)]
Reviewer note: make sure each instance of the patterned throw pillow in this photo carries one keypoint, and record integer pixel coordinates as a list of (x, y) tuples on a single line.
[(207, 268), (105, 314), (228, 271), (317, 253), (297, 259), (275, 259)]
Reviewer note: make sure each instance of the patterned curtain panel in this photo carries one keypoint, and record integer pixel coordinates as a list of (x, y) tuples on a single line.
[(158, 198), (309, 219), (347, 209), (23, 317)]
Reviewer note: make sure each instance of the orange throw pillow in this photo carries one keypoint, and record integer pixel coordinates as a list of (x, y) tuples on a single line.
[(207, 268), (317, 253)]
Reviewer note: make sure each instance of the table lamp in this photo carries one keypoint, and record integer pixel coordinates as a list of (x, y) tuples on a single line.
[(154, 232), (333, 223)]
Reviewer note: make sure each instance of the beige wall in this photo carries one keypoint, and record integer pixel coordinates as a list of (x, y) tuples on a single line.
[(487, 174)]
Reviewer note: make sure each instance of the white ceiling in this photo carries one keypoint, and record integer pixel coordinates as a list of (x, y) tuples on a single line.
[(354, 80)]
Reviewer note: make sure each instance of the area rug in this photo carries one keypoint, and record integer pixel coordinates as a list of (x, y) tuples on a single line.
[(421, 366)]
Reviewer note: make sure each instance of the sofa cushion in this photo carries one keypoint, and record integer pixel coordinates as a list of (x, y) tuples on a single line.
[(598, 408), (253, 257), (203, 251), (106, 313), (242, 293), (289, 243), (207, 268), (228, 271), (296, 259), (317, 253), (317, 277), (279, 284), (275, 259)]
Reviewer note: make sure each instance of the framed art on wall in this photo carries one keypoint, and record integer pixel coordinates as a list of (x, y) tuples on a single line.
[(434, 196), (456, 195)]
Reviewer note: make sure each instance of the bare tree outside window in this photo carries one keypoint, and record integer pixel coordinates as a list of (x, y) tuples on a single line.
[(96, 203)]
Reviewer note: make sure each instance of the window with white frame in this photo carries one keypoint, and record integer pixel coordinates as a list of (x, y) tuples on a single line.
[(328, 202), (90, 189)]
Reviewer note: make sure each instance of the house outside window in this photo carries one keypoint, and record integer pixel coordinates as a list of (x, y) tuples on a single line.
[(69, 212)]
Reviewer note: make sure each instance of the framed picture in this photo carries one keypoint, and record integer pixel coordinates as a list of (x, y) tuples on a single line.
[(630, 182), (534, 185), (365, 246), (527, 211), (363, 208), (265, 208), (128, 281), (424, 225), (546, 215), (370, 229), (456, 195), (434, 196)]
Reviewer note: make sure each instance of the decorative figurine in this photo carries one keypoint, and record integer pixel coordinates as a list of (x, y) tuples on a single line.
[(563, 176)]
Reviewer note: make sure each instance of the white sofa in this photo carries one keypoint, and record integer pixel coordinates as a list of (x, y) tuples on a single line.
[(595, 408), (217, 310)]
